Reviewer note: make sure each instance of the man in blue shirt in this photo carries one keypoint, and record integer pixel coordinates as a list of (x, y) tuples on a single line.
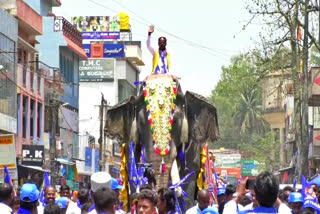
[(29, 195), (266, 188)]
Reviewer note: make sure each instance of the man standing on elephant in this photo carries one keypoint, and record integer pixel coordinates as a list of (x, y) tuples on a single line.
[(161, 58)]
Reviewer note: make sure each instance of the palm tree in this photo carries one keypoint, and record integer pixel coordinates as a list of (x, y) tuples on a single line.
[(248, 117)]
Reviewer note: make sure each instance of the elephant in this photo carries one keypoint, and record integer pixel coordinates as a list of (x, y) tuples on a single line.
[(194, 123)]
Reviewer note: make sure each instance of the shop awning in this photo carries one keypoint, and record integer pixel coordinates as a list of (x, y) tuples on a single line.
[(35, 168), (65, 162), (74, 47)]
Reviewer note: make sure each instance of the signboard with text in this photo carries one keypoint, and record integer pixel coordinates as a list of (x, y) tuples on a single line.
[(33, 155), (96, 70), (7, 151), (104, 50)]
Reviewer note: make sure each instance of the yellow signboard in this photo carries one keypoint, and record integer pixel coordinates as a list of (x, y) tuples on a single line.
[(7, 151)]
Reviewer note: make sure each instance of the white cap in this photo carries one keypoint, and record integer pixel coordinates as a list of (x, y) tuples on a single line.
[(100, 179)]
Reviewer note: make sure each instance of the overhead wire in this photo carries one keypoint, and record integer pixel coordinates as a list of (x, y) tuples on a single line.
[(206, 49)]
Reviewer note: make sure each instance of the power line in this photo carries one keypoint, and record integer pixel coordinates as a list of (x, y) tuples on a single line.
[(190, 43)]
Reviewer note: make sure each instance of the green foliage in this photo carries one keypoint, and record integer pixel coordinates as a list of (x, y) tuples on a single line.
[(238, 100)]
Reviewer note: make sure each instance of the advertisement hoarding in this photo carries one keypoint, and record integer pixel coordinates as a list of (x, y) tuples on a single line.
[(101, 27), (33, 155), (96, 70), (7, 151)]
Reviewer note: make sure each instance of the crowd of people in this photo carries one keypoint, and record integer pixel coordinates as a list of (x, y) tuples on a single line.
[(259, 196)]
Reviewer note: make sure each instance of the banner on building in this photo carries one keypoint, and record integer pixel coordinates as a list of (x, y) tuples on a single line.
[(101, 27), (32, 155), (113, 51), (7, 151), (96, 70), (104, 50), (69, 119), (101, 35), (88, 157), (96, 160)]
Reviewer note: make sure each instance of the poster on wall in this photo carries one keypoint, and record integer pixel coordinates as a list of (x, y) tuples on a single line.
[(101, 27), (96, 70), (7, 151)]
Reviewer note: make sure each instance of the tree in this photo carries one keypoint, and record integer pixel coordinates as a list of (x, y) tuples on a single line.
[(237, 98), (286, 19)]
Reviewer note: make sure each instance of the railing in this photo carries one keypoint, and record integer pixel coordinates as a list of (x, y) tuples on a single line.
[(61, 24)]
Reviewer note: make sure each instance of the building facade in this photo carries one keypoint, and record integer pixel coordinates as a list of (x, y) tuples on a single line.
[(115, 86)]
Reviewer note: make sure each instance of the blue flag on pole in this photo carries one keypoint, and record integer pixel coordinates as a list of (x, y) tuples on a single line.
[(133, 172), (315, 180), (295, 183), (45, 184), (7, 177), (309, 196)]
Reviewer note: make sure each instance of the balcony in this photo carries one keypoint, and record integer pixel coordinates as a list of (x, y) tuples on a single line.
[(72, 36), (29, 20), (314, 90), (134, 54)]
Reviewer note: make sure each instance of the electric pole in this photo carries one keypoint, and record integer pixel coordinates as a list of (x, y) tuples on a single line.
[(53, 115), (304, 149), (100, 141)]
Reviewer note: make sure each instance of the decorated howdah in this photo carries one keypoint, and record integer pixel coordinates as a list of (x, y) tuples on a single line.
[(164, 130)]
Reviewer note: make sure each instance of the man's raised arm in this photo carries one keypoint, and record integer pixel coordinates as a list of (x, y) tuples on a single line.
[(151, 30)]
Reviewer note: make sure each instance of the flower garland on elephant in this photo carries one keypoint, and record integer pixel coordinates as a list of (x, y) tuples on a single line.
[(160, 96)]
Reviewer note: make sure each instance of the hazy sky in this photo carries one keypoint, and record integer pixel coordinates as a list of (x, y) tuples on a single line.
[(210, 23)]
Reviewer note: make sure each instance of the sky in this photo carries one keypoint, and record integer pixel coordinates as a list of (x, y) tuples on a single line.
[(214, 24)]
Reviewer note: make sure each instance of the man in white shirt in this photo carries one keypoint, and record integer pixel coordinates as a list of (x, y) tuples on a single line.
[(6, 198), (161, 58), (203, 198), (99, 180)]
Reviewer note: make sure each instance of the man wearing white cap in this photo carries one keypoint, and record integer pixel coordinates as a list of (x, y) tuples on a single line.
[(98, 180)]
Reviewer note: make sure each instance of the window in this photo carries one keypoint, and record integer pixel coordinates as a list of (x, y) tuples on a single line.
[(39, 120), (32, 118)]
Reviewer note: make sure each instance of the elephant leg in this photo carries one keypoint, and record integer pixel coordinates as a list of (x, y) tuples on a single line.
[(193, 164)]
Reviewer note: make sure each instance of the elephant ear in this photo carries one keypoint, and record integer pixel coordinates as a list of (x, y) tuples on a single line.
[(119, 119), (202, 119)]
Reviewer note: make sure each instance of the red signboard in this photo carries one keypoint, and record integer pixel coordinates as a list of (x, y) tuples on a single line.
[(230, 172)]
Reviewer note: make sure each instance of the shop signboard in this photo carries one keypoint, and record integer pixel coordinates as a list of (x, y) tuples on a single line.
[(32, 155), (113, 51), (96, 70), (7, 151), (227, 160)]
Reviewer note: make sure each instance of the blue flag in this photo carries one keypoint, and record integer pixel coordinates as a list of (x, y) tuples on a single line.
[(295, 183), (133, 172), (45, 184), (7, 177), (315, 180), (309, 196)]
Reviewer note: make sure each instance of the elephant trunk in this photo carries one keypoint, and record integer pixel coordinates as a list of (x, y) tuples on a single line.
[(162, 178)]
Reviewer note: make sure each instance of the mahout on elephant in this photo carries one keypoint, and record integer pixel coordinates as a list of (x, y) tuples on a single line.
[(170, 125)]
